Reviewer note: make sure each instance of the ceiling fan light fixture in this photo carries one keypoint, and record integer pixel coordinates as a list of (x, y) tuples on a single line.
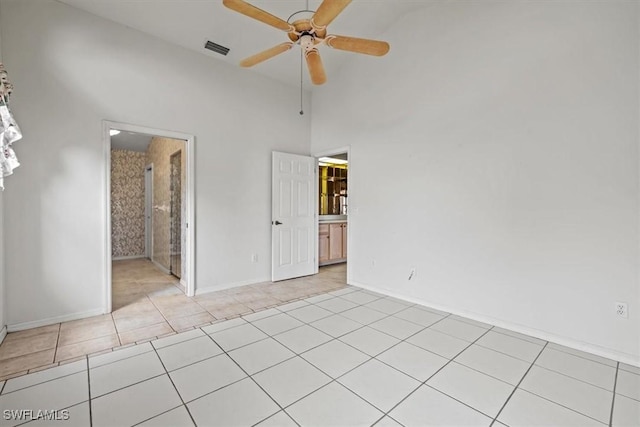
[(309, 33), (307, 42)]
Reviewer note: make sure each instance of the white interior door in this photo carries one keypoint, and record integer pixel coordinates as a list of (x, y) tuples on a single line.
[(293, 216)]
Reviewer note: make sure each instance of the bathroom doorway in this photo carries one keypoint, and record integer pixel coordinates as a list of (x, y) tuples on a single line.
[(334, 169), (151, 244)]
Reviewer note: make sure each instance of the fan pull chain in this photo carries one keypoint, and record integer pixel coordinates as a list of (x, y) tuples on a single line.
[(301, 60)]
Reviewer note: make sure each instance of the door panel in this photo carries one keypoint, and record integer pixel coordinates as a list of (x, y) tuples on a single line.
[(335, 241), (293, 216), (323, 243)]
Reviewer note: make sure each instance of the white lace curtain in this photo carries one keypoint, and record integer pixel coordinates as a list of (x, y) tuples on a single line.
[(9, 130)]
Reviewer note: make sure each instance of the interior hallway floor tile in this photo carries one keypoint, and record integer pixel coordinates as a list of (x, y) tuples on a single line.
[(148, 304), (387, 363)]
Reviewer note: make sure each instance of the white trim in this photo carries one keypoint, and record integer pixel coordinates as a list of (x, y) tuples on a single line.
[(161, 267), (537, 333), (189, 209), (335, 261), (148, 233), (329, 153), (122, 258), (3, 334), (209, 289), (54, 320)]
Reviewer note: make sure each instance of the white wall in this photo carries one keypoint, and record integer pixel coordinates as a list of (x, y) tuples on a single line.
[(2, 297), (71, 70), (496, 149), (2, 291)]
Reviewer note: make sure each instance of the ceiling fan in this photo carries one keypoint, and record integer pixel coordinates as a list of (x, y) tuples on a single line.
[(309, 34)]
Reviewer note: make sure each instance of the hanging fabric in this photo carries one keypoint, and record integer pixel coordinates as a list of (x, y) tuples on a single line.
[(9, 130)]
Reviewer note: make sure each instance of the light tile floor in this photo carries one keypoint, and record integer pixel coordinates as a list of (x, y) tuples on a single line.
[(148, 304), (347, 357)]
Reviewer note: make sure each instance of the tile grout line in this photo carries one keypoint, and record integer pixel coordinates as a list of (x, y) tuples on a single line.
[(160, 414), (507, 354), (129, 385), (161, 313), (247, 376), (273, 415), (173, 384), (335, 338), (300, 355), (42, 382), (424, 383), (562, 406), (495, 419), (613, 398), (387, 349), (55, 352), (113, 320), (89, 392), (368, 360), (117, 332), (579, 356), (578, 379)]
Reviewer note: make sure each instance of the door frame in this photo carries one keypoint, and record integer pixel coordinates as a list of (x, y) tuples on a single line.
[(148, 209), (190, 282), (329, 153), (171, 255)]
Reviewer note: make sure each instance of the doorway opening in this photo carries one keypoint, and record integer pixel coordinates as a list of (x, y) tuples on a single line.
[(333, 211), (149, 231)]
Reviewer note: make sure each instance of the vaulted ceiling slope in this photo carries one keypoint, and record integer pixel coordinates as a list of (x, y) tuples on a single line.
[(190, 23)]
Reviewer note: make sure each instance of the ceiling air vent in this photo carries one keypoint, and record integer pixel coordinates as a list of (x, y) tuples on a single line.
[(216, 48)]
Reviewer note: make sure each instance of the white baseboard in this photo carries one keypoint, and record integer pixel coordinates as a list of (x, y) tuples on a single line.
[(54, 320), (122, 258), (209, 289), (543, 335), (333, 261), (3, 333), (161, 267)]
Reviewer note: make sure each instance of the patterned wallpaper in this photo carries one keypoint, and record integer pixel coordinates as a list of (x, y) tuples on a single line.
[(159, 153), (127, 203)]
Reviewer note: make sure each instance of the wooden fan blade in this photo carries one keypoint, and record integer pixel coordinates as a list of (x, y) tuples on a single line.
[(266, 54), (251, 11), (353, 44), (316, 69), (327, 12)]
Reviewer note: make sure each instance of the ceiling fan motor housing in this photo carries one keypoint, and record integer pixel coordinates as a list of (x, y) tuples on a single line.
[(309, 32), (307, 41)]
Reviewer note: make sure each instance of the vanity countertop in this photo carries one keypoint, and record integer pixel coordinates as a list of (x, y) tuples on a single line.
[(328, 219)]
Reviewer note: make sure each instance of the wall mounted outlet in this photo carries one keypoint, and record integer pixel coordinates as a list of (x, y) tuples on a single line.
[(254, 257), (621, 310), (412, 273)]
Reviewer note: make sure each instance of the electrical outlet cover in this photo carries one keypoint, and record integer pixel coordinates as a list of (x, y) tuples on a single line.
[(622, 310)]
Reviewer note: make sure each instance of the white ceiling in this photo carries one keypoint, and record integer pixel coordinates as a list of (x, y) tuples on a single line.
[(131, 141), (190, 23)]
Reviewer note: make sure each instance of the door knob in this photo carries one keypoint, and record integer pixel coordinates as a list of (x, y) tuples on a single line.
[(276, 222)]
